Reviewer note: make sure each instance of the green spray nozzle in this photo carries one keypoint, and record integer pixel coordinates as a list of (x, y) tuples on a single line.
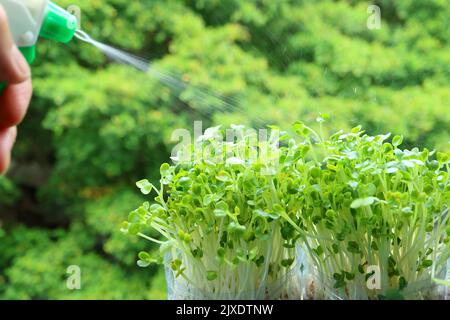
[(58, 25)]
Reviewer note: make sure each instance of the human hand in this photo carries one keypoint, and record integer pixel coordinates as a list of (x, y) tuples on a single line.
[(14, 100)]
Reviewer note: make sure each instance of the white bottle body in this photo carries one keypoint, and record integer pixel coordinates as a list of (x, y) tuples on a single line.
[(25, 19)]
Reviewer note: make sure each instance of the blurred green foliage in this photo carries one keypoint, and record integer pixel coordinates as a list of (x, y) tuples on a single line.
[(94, 127)]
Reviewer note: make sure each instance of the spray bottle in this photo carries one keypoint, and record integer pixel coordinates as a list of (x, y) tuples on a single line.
[(31, 19)]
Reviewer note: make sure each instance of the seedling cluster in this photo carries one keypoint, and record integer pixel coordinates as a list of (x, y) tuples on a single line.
[(221, 217), (375, 213), (231, 225)]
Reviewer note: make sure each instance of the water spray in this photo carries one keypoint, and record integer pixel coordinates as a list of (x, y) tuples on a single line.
[(31, 20)]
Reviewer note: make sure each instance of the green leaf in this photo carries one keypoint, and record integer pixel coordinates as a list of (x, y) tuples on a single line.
[(143, 263), (361, 269), (222, 205), (318, 250), (253, 253), (221, 209), (197, 253), (164, 169), (353, 247), (356, 129), (212, 275), (218, 213), (145, 186), (349, 276), (134, 217), (134, 228), (142, 183), (443, 157), (176, 264), (223, 176), (260, 261), (363, 202), (374, 246), (221, 252), (264, 214), (335, 248), (322, 117), (339, 284), (288, 232), (287, 262), (402, 283), (338, 276), (427, 263), (236, 228), (184, 181), (397, 140), (145, 256), (124, 227), (315, 172)]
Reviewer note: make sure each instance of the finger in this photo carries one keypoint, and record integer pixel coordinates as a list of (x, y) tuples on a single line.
[(14, 104), (13, 66), (7, 139)]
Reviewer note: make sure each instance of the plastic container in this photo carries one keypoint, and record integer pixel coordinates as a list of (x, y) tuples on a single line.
[(285, 288), (424, 289), (315, 285)]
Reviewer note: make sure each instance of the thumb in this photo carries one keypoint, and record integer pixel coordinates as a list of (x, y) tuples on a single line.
[(7, 138), (13, 66)]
